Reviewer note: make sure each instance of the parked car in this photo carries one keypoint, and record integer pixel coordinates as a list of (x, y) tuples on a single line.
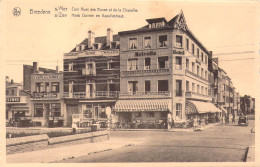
[(243, 120)]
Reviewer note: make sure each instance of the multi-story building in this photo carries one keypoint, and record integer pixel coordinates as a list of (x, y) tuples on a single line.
[(236, 103), (46, 103), (91, 77), (17, 102), (163, 73)]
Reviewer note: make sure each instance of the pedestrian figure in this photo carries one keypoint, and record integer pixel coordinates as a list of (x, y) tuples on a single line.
[(195, 123), (74, 128)]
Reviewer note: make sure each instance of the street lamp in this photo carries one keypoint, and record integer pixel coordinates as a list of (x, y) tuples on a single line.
[(108, 113)]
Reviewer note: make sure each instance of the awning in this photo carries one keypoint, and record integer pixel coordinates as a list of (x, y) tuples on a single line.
[(142, 105), (194, 107), (19, 108)]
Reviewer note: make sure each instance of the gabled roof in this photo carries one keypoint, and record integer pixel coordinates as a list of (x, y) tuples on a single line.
[(101, 39)]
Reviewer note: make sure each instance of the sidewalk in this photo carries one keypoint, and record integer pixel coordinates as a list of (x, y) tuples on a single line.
[(66, 152), (251, 154)]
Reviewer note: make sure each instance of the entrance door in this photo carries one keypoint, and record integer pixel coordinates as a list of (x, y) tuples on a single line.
[(71, 110)]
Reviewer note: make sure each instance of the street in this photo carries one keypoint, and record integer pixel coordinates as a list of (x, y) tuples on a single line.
[(220, 143)]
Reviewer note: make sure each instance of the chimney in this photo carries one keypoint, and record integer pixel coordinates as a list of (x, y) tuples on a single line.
[(12, 81), (83, 47), (57, 69), (35, 67), (91, 39), (109, 36)]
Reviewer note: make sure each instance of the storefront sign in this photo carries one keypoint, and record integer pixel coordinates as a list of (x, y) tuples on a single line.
[(179, 52), (47, 77), (13, 99), (145, 53), (198, 62)]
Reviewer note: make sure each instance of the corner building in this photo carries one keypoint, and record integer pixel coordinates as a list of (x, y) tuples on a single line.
[(163, 74)]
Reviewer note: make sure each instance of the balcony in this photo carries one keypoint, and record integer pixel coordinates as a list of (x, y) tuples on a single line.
[(147, 94), (89, 71), (194, 95), (90, 95), (195, 75), (146, 71), (48, 95)]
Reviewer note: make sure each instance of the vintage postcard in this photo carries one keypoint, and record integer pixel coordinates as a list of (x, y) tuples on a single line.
[(112, 83)]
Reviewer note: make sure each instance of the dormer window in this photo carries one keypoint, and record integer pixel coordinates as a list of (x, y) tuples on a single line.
[(97, 46), (147, 42), (114, 45), (132, 43), (163, 41)]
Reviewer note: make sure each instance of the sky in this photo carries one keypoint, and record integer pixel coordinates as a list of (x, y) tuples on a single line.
[(229, 29)]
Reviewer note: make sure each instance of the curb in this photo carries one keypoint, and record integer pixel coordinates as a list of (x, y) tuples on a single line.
[(250, 154)]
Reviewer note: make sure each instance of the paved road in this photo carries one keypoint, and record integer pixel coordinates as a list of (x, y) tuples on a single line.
[(221, 143)]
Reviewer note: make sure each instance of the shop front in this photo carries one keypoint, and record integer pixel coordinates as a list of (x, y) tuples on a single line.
[(202, 110), (20, 116), (143, 113)]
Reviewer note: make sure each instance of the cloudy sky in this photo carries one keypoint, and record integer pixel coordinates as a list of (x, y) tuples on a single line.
[(229, 29)]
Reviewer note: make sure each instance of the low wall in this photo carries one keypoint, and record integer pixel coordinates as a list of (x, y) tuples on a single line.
[(28, 143), (38, 142)]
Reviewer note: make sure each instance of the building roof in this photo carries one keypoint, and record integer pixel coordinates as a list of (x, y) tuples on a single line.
[(101, 39), (170, 25), (13, 85), (44, 70)]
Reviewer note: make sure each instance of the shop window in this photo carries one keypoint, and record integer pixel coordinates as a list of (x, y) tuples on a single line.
[(147, 86), (163, 85), (147, 63), (133, 87), (132, 43), (38, 110), (150, 115), (178, 87), (138, 114), (55, 87), (187, 43), (178, 111), (163, 62), (55, 109), (147, 42), (178, 41), (193, 49), (87, 113), (178, 63), (132, 64), (163, 41)]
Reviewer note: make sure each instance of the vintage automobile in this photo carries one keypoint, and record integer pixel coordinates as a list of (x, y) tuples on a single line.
[(243, 120)]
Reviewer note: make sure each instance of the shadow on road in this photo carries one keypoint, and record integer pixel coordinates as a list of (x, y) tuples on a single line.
[(211, 147)]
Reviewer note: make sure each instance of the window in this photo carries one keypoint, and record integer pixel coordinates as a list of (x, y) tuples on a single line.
[(147, 42), (193, 87), (112, 65), (178, 62), (163, 62), (163, 41), (12, 92), (193, 67), (187, 86), (187, 64), (39, 87), (202, 90), (55, 110), (47, 87), (202, 73), (70, 66), (206, 75), (193, 48), (198, 70), (133, 87), (202, 57), (198, 89), (206, 59), (55, 87), (150, 115), (187, 43), (206, 91), (132, 43), (38, 110), (138, 114), (132, 64), (178, 87), (147, 63), (163, 85), (198, 52), (147, 85), (178, 41), (87, 112), (95, 46), (178, 111), (7, 92), (113, 45)]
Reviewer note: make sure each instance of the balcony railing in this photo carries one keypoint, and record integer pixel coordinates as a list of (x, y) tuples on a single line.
[(88, 71), (190, 94), (195, 75), (90, 95), (48, 95), (164, 93), (147, 71)]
